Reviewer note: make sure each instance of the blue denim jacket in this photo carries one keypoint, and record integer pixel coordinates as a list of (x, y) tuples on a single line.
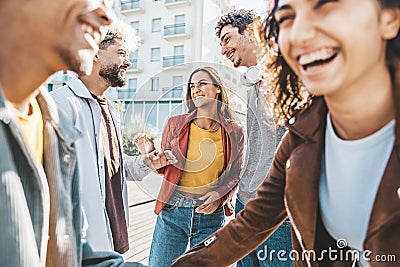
[(40, 213)]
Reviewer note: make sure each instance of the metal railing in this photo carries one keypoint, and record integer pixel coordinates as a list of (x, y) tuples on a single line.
[(173, 92), (174, 1), (173, 60), (130, 4), (126, 93), (134, 62), (178, 28)]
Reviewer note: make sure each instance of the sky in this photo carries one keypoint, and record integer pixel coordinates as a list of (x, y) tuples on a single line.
[(257, 5)]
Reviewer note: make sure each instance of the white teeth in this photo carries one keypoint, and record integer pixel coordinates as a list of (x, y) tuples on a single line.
[(87, 29), (97, 37), (91, 41), (198, 97), (231, 55), (322, 54)]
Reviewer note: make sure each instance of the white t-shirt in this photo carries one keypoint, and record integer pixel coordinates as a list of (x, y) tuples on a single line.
[(350, 177)]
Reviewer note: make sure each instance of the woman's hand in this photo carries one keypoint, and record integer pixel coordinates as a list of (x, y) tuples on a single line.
[(212, 200)]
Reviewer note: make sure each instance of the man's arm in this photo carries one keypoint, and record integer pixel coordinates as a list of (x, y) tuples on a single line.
[(104, 258), (134, 167), (137, 167)]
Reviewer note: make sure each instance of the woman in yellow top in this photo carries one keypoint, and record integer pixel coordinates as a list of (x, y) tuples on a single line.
[(195, 192)]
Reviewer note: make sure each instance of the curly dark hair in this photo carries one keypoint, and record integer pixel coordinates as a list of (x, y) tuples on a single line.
[(237, 18), (287, 92), (109, 39)]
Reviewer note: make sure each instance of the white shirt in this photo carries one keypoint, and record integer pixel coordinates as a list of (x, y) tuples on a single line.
[(350, 177)]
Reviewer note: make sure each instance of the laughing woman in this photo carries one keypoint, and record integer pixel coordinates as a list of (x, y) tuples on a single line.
[(337, 171), (197, 190)]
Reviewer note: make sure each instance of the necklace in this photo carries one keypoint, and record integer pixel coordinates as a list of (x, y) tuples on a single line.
[(213, 126)]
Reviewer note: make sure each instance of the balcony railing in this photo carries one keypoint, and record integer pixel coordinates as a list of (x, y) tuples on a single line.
[(176, 3), (134, 63), (173, 61), (136, 66), (173, 92), (130, 4), (126, 93), (177, 92), (174, 29)]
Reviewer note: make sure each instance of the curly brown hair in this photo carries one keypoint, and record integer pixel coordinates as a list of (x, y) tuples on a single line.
[(286, 93), (237, 18)]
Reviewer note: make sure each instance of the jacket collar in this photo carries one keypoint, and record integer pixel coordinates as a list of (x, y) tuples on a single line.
[(79, 88), (5, 114), (61, 123), (309, 125), (396, 99), (308, 122), (50, 113)]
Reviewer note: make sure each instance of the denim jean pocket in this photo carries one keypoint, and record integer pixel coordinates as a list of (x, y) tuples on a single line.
[(169, 207), (219, 210)]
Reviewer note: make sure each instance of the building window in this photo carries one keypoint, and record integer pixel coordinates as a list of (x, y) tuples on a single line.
[(177, 59), (128, 93), (135, 25), (154, 84), (177, 28), (177, 81), (155, 113), (130, 4), (179, 19), (133, 58), (156, 25), (179, 24), (178, 50), (177, 89), (132, 84), (155, 54)]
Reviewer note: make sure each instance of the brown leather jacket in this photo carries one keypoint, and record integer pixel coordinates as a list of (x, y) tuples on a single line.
[(291, 189), (176, 138)]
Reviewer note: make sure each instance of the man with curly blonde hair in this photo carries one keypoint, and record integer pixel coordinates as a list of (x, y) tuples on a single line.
[(101, 161)]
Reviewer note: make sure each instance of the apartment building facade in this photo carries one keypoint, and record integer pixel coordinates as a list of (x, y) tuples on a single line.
[(177, 36)]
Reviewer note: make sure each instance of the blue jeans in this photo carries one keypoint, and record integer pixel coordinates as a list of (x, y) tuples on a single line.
[(178, 226), (267, 253)]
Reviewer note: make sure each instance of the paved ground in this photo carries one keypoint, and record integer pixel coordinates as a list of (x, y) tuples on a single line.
[(141, 217)]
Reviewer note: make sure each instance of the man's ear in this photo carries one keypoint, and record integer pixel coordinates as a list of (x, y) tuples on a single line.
[(249, 32), (390, 23), (96, 58)]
